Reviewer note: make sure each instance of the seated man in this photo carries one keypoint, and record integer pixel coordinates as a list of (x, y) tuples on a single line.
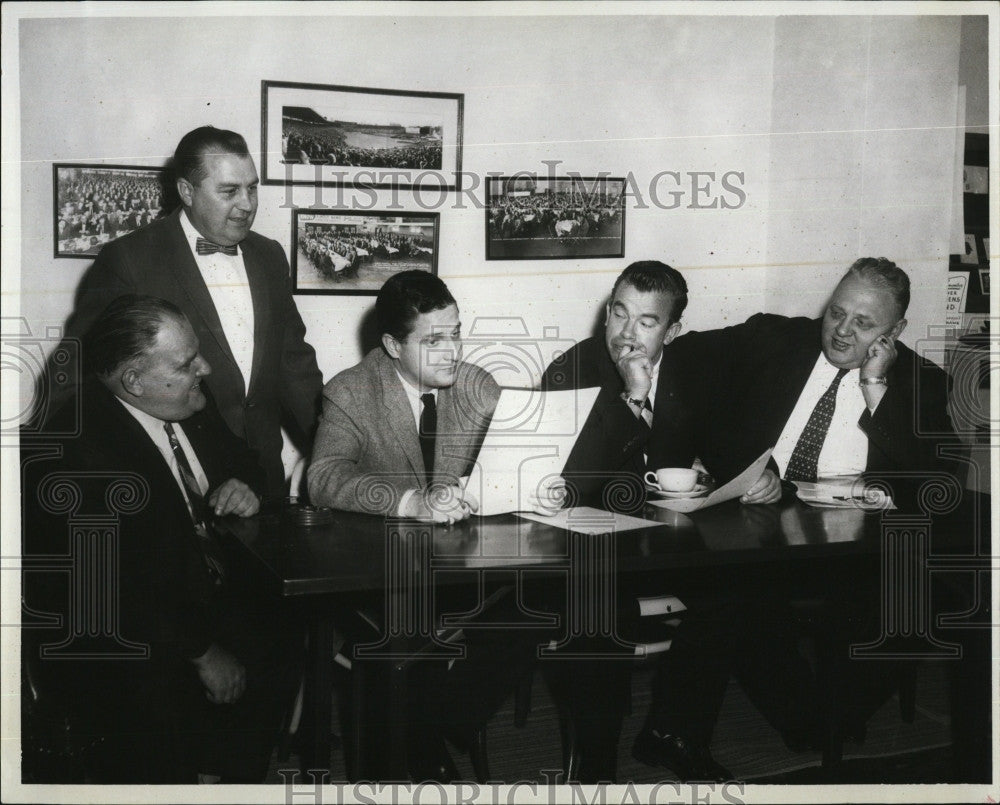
[(833, 396), (409, 416), (188, 671), (397, 433)]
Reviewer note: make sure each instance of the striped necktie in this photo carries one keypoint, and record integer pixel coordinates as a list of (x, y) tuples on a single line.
[(199, 509)]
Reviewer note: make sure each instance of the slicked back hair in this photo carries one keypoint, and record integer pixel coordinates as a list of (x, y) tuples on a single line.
[(883, 273), (653, 276), (189, 158), (125, 331)]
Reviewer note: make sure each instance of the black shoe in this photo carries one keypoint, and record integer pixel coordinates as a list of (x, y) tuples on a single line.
[(689, 763), (430, 761)]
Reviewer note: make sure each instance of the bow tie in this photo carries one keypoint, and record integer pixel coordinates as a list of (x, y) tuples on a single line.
[(203, 246)]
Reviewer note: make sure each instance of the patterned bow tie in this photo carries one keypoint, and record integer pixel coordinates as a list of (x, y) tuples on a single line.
[(203, 246)]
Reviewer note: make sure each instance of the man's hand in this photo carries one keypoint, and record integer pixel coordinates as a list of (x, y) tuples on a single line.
[(636, 371), (766, 490), (550, 496), (881, 357), (224, 677), (234, 497), (441, 503)]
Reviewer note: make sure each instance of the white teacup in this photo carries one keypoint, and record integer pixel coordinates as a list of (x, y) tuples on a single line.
[(673, 479)]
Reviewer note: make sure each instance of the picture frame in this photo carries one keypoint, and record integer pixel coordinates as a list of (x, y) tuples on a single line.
[(329, 134), (349, 252), (529, 217), (93, 204)]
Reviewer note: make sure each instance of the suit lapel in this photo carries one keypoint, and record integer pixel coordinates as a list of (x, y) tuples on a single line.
[(259, 292), (400, 415), (190, 280)]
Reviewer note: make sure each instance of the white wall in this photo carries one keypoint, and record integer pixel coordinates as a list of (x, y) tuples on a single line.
[(831, 120)]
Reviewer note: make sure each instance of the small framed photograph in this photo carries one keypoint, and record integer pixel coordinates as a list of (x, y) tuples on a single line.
[(354, 253), (95, 204), (984, 280), (318, 134), (551, 218)]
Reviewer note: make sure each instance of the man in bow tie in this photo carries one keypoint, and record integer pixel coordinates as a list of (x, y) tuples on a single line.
[(233, 286)]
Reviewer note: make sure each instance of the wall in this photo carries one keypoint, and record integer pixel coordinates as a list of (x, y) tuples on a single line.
[(839, 147)]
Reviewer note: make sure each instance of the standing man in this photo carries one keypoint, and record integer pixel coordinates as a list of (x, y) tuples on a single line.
[(219, 663), (233, 285)]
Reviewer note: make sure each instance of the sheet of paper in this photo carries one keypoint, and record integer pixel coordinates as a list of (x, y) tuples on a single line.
[(530, 437), (843, 493), (736, 487), (585, 520)]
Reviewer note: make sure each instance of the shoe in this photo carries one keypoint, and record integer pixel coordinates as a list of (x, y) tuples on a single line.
[(431, 761), (688, 762)]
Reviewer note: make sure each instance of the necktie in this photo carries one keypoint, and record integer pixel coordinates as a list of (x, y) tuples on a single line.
[(802, 464), (203, 246), (647, 412), (199, 509), (428, 430)]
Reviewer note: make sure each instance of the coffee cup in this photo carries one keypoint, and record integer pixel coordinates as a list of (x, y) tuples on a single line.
[(673, 479)]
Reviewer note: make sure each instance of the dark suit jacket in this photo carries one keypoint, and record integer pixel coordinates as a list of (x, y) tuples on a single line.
[(746, 379), (164, 590), (284, 379), (367, 451), (611, 443)]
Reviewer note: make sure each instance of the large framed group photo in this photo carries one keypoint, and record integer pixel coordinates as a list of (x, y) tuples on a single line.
[(348, 252), (95, 204), (552, 218), (319, 134)]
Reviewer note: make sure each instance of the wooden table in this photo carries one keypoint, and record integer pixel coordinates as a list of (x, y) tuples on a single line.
[(356, 553)]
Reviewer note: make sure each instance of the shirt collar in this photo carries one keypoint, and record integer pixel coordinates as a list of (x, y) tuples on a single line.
[(192, 235), (148, 421), (412, 392)]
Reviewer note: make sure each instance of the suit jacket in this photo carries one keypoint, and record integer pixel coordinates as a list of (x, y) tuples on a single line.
[(367, 451), (611, 443), (284, 379), (165, 593), (746, 379)]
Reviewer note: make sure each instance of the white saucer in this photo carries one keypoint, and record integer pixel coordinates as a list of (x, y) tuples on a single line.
[(697, 492)]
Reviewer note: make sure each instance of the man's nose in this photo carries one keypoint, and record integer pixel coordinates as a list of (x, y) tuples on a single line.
[(245, 202), (844, 328), (204, 368), (628, 331)]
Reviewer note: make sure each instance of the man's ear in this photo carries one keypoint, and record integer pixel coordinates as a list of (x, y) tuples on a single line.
[(131, 381), (185, 190), (607, 313), (391, 345), (897, 329), (672, 332)]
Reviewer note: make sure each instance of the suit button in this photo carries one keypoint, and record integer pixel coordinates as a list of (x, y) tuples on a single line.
[(250, 404)]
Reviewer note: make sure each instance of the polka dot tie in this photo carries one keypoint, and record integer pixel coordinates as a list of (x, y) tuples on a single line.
[(802, 464)]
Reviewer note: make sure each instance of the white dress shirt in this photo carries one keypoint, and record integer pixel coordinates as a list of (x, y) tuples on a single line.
[(845, 451), (226, 278), (154, 427), (413, 395)]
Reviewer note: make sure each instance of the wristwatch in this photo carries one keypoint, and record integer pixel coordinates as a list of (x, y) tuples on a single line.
[(873, 381), (632, 400)]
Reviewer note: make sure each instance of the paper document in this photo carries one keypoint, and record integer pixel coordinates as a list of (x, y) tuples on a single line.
[(530, 438), (736, 487), (843, 493), (585, 520)]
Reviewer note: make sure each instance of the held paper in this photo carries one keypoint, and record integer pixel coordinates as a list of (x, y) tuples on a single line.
[(530, 437), (736, 487)]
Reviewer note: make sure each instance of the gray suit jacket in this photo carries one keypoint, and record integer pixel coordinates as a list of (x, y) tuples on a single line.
[(367, 451), (284, 379)]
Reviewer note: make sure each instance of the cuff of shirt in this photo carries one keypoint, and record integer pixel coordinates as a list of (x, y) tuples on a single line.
[(409, 493)]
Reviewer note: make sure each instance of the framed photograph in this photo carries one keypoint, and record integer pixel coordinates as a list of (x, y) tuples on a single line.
[(95, 204), (984, 280), (970, 255), (317, 134), (552, 218), (347, 252)]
